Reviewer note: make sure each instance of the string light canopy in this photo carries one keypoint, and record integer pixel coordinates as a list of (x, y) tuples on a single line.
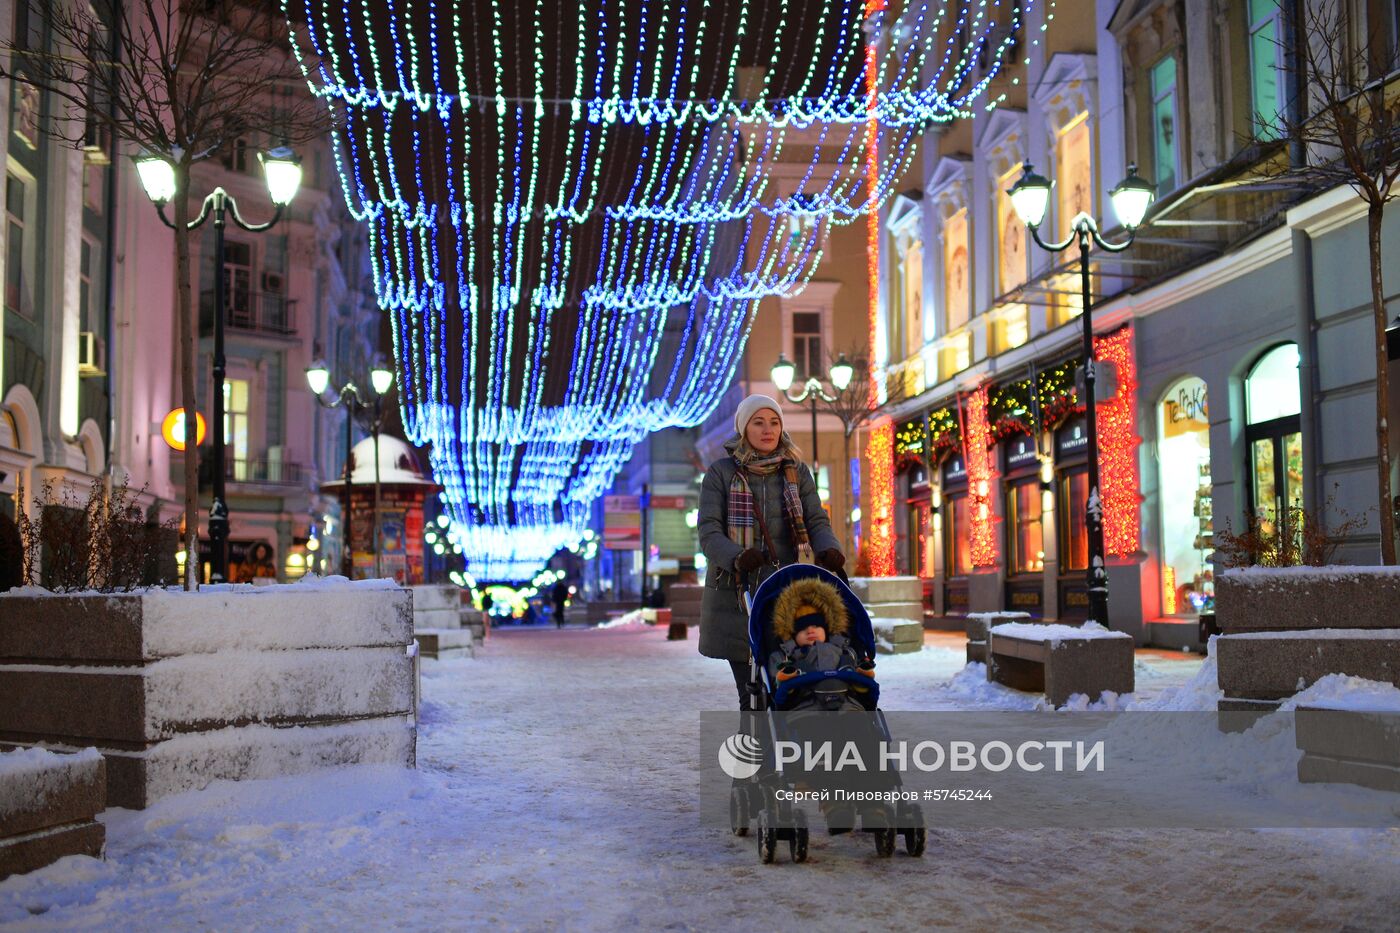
[(574, 211)]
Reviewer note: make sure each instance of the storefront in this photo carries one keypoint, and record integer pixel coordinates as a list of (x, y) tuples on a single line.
[(1184, 491), (957, 529), (1071, 510)]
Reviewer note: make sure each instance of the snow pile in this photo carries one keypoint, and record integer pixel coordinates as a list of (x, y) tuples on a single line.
[(628, 620), (1385, 634), (1054, 634), (1344, 692), (1199, 694), (1259, 575)]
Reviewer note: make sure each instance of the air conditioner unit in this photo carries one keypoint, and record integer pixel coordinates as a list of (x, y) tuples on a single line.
[(92, 354), (273, 282)]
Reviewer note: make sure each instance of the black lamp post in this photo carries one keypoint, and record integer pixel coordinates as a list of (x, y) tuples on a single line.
[(783, 372), (1030, 196), (282, 169), (318, 377)]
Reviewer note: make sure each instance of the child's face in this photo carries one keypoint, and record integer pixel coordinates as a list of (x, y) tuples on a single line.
[(810, 635)]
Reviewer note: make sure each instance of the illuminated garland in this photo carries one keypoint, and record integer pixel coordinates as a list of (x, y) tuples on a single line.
[(481, 191), (980, 459), (880, 455), (943, 430), (1119, 473)]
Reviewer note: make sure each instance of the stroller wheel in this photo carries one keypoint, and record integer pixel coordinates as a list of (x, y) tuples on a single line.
[(739, 811), (884, 842), (798, 843), (767, 838), (913, 831)]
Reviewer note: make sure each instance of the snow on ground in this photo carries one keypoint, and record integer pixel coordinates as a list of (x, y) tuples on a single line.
[(556, 790)]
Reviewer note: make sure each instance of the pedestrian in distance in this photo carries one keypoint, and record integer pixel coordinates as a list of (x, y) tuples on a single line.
[(559, 595), (759, 510)]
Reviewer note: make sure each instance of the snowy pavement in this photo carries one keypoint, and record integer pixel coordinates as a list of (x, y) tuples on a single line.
[(556, 790)]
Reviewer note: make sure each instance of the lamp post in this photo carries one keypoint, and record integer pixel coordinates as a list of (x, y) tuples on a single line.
[(282, 170), (318, 377), (1030, 197), (783, 372)]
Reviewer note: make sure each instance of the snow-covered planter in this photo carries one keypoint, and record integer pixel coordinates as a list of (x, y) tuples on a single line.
[(179, 689), (437, 621), (1258, 599), (48, 804), (1285, 628)]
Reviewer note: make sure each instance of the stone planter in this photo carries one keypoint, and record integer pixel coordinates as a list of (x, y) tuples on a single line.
[(179, 689), (1283, 629), (1264, 599), (437, 622), (48, 808)]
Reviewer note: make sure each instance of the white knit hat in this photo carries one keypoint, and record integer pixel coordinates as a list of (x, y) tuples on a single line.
[(752, 406)]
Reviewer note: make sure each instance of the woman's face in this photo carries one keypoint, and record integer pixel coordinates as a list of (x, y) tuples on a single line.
[(764, 431)]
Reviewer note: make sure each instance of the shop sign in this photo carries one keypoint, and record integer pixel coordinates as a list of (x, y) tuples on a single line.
[(954, 470), (622, 523), (1071, 440), (1185, 410), (1024, 600), (1020, 452), (955, 598)]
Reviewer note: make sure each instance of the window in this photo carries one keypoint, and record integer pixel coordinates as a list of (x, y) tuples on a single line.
[(957, 275), (1265, 64), (957, 547), (807, 343), (1023, 528), (1011, 253), (237, 158), (86, 313), (914, 300), (238, 283), (1074, 523), (236, 426), (1164, 125), (15, 193), (1275, 439), (1183, 457)]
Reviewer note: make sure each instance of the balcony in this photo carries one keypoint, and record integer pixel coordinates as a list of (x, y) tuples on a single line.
[(266, 472), (267, 314)]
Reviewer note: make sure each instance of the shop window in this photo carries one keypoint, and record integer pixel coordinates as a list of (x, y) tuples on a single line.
[(957, 274), (1074, 170), (16, 229), (1265, 68), (1275, 439), (1024, 531), (1074, 520), (957, 541), (1183, 458), (1165, 145)]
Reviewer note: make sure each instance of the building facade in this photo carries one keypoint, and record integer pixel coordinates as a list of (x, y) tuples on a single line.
[(90, 365), (1238, 325)]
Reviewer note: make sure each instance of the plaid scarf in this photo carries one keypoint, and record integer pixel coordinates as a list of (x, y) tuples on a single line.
[(742, 513)]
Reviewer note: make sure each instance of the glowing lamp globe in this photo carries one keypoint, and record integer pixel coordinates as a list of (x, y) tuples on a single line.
[(157, 177), (783, 372), (1131, 199), (282, 170), (1030, 197), (318, 377)]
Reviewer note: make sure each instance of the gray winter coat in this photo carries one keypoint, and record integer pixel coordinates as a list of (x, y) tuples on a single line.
[(724, 625)]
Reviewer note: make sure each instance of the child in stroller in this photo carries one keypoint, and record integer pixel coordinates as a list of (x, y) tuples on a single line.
[(810, 624)]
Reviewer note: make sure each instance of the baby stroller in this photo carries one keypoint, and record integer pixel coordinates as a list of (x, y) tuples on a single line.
[(756, 799)]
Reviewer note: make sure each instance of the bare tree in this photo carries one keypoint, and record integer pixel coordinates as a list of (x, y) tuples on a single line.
[(1345, 128), (182, 79)]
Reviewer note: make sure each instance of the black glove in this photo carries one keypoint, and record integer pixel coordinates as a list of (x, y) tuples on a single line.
[(748, 560), (831, 559)]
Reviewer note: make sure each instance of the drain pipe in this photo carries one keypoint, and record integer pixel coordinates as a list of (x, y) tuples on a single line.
[(1308, 382)]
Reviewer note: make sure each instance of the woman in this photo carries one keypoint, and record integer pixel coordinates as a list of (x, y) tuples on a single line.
[(761, 486)]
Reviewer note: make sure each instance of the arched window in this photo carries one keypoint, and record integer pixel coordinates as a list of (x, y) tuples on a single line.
[(1274, 435), (1183, 458)]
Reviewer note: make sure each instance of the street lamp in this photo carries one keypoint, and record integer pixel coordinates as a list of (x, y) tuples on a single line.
[(1030, 197), (783, 373), (381, 378), (282, 171)]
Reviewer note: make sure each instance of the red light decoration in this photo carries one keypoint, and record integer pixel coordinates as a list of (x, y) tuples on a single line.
[(872, 177), (981, 477), (1119, 474), (880, 456)]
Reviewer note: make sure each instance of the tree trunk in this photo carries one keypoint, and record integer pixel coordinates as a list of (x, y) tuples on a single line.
[(185, 330), (1373, 229)]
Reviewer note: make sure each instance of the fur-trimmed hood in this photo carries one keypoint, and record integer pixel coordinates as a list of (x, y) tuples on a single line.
[(818, 594)]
